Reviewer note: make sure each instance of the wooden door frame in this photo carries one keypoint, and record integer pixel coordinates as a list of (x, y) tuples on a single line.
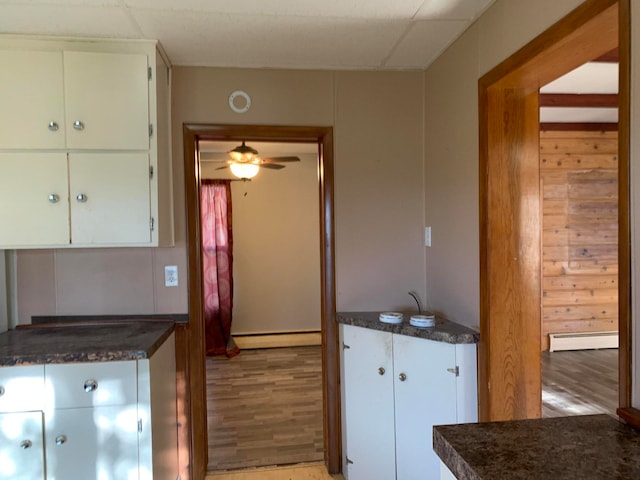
[(510, 255), (197, 414)]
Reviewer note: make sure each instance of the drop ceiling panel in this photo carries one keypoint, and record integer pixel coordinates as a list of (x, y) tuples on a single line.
[(58, 20), (424, 42), (362, 9), (452, 9), (253, 41)]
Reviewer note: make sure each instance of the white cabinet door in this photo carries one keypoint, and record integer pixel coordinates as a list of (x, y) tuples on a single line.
[(107, 94), (92, 444), (425, 394), (21, 446), (110, 198), (34, 208), (30, 99), (368, 384)]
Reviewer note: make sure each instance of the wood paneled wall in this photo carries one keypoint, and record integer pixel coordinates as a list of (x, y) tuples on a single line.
[(579, 186)]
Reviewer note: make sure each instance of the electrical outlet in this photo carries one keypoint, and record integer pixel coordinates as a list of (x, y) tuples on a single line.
[(427, 236), (171, 276)]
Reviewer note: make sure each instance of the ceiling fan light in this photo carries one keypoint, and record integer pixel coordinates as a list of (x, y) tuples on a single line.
[(244, 170)]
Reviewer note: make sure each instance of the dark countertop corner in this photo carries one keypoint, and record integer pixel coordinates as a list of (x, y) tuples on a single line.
[(443, 331), (589, 447), (87, 342)]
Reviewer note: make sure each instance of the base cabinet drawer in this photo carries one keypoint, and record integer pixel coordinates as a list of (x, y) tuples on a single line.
[(22, 388), (21, 446), (92, 443)]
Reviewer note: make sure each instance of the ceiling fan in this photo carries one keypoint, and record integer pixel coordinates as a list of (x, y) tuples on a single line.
[(245, 161)]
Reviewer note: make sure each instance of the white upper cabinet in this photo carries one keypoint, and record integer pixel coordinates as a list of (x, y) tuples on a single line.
[(106, 100), (84, 144), (31, 101)]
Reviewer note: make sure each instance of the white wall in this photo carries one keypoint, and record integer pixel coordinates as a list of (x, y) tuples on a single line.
[(276, 248)]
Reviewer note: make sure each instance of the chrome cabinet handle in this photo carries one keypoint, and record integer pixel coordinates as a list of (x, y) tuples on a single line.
[(61, 439), (1, 390), (26, 444), (380, 371), (53, 126), (90, 385), (402, 377), (54, 198), (78, 125), (81, 197)]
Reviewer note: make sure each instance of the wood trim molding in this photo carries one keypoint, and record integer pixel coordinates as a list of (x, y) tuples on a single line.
[(508, 369), (612, 56), (323, 136), (579, 100), (578, 127)]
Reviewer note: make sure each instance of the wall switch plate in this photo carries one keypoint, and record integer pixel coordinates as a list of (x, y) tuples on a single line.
[(171, 276), (427, 236)]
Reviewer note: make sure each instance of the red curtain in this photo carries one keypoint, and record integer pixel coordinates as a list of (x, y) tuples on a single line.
[(217, 266)]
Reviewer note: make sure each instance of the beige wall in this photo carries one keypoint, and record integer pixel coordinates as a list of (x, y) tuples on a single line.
[(451, 146), (379, 199), (276, 248)]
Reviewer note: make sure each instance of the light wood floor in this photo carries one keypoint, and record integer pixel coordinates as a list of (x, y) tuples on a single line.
[(581, 382), (264, 407), (305, 472)]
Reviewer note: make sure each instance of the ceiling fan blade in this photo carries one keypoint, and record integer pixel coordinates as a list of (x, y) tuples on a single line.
[(280, 159), (271, 166)]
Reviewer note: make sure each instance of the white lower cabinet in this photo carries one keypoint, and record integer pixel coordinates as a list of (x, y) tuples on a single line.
[(90, 421), (396, 388)]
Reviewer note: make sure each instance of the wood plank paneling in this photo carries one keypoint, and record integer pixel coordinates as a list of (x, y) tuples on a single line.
[(579, 185)]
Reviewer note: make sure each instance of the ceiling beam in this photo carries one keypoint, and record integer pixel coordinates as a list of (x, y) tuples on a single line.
[(584, 100)]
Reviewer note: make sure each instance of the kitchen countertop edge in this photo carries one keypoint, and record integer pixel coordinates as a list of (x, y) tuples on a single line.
[(444, 331)]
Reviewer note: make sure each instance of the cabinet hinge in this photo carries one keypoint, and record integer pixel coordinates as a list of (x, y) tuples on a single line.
[(151, 130), (152, 223), (139, 425), (150, 171), (149, 73), (345, 346), (455, 371)]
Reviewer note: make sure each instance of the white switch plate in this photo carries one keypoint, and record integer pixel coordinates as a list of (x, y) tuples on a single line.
[(171, 276), (427, 236)]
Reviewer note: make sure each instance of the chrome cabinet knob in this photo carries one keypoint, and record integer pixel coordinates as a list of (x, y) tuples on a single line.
[(81, 197), (380, 371), (53, 126), (61, 440), (402, 377), (1, 390), (26, 444), (54, 198), (78, 125), (90, 386)]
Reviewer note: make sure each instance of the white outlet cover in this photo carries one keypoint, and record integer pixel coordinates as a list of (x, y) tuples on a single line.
[(171, 276)]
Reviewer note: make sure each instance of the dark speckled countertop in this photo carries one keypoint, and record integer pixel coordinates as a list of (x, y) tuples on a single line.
[(443, 331), (591, 447), (120, 340)]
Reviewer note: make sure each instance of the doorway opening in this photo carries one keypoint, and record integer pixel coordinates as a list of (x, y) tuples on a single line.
[(264, 405), (323, 138), (510, 207), (579, 208)]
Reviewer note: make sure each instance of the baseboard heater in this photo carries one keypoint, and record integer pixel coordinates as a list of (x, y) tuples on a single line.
[(275, 340), (582, 341)]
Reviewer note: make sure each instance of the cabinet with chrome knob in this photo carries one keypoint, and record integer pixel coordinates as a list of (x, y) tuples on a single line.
[(388, 419), (75, 99)]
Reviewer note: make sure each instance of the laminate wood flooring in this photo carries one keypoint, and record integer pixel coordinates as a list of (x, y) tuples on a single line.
[(305, 472), (580, 382), (264, 407)]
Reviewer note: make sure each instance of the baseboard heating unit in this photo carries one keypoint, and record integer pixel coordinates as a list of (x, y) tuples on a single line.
[(582, 341)]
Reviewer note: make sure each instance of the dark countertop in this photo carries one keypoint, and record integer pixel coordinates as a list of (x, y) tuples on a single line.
[(591, 447), (119, 340), (443, 331)]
